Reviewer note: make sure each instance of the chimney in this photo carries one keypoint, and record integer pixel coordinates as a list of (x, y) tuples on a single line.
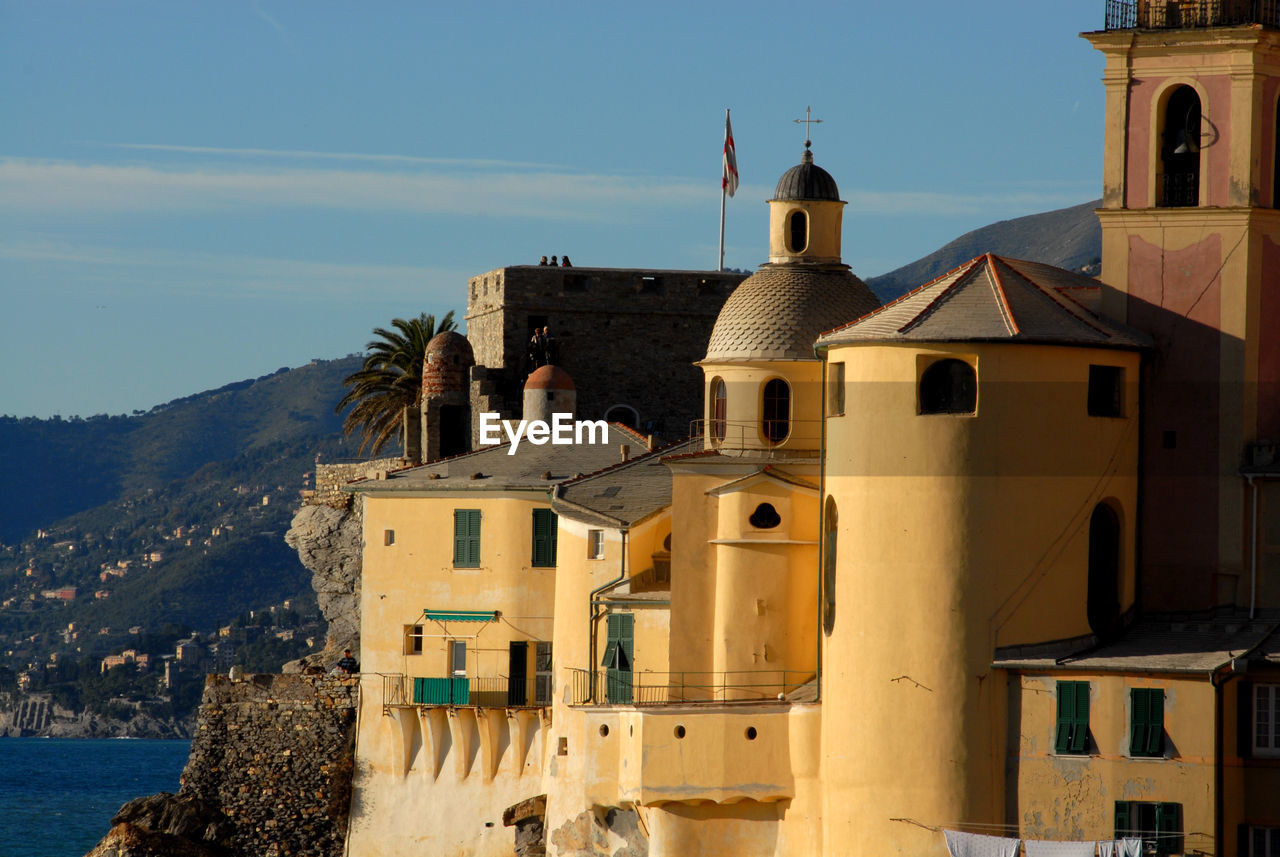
[(626, 452)]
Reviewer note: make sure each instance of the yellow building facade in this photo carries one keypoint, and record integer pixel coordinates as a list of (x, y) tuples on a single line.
[(995, 558)]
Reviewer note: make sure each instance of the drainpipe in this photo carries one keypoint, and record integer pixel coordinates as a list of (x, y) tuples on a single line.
[(593, 618), (1253, 544)]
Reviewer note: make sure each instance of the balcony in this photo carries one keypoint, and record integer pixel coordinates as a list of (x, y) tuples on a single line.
[(619, 687), (475, 692), (1187, 14), (780, 438)]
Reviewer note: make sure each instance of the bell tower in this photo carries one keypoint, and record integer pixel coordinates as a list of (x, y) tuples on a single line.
[(1191, 255)]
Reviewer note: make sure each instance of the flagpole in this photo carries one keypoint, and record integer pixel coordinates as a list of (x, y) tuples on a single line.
[(720, 267)]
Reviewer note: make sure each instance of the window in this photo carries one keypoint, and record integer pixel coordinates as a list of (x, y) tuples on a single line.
[(466, 538), (776, 411), (651, 286), (1259, 841), (595, 544), (1106, 391), (1146, 723), (1158, 825), (765, 517), (1266, 712), (413, 639), (1179, 183), (388, 537), (798, 232), (544, 538), (1102, 600), (948, 387), (1072, 735), (542, 673), (719, 409), (619, 646), (830, 520), (458, 657), (835, 389)]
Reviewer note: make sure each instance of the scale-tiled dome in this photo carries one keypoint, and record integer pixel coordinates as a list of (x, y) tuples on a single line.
[(778, 312), (807, 181)]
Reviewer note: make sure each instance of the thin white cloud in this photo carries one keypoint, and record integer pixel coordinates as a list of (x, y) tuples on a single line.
[(305, 154), (67, 187), (233, 276)]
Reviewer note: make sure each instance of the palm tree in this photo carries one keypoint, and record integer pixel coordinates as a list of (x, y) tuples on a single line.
[(385, 396)]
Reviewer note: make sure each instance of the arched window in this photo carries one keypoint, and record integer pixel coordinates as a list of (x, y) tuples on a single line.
[(1180, 149), (798, 232), (1103, 599), (719, 409), (624, 414), (775, 418), (829, 521), (949, 387)]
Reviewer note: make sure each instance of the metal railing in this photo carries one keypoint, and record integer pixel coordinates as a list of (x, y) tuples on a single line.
[(475, 691), (1180, 190), (1186, 14), (619, 687), (783, 436)]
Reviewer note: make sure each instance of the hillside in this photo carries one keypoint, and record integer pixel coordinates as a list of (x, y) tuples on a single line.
[(1069, 238), (170, 519)]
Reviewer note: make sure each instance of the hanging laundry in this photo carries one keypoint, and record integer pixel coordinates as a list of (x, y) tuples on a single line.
[(1109, 848), (1129, 847), (976, 845), (1051, 848)]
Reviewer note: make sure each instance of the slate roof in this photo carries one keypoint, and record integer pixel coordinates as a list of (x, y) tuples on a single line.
[(806, 181), (778, 312), (623, 494), (526, 469), (1156, 645), (991, 298)]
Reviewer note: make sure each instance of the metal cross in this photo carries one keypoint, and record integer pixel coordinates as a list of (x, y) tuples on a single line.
[(806, 121)]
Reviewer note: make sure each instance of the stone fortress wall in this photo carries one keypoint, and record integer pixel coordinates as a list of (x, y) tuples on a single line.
[(626, 336)]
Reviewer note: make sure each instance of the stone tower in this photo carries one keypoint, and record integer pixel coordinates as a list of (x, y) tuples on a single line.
[(446, 396), (1191, 254)]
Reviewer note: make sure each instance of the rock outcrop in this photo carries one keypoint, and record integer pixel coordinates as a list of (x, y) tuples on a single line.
[(327, 538), (269, 774), (37, 715)]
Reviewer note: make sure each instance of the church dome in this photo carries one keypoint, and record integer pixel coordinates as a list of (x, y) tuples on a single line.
[(806, 181), (778, 312)]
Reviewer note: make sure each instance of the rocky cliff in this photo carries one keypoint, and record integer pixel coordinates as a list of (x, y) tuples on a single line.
[(327, 537), (269, 774)]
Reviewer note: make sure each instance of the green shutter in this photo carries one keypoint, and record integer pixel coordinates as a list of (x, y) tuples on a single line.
[(1146, 723), (544, 538), (1122, 819), (1169, 828), (1072, 733), (466, 538)]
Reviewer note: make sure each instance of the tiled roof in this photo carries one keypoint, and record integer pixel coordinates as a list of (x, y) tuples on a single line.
[(622, 494), (1182, 645), (993, 298), (778, 312), (530, 467)]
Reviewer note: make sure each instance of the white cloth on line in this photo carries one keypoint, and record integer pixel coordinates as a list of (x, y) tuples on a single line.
[(1108, 847), (976, 845), (1053, 848), (1129, 847)]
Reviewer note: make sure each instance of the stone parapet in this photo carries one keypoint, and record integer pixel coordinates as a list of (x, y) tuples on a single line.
[(331, 477)]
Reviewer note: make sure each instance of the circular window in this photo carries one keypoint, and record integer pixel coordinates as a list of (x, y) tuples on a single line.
[(765, 517), (679, 730), (604, 730), (751, 733)]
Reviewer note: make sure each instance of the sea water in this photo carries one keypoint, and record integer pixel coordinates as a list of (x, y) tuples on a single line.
[(57, 795)]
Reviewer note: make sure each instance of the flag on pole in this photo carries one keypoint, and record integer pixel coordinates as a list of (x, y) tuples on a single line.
[(729, 176)]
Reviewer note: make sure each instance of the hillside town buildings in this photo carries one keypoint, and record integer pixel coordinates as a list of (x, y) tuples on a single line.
[(1000, 558)]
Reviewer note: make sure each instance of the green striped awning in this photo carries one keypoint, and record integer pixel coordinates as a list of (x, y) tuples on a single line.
[(461, 615)]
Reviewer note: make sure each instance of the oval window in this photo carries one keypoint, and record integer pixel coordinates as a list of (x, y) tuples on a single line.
[(798, 226)]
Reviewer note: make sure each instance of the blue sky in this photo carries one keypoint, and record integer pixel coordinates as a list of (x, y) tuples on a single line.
[(197, 193)]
